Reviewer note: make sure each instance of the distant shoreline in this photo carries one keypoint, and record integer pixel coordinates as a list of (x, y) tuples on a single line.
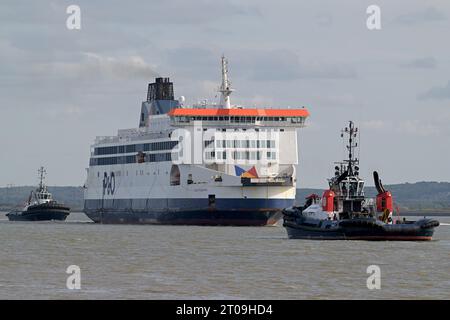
[(412, 199)]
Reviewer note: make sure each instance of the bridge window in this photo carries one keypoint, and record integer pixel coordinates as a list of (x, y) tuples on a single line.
[(131, 148)]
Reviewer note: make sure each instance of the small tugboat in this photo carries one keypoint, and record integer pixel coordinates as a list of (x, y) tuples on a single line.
[(40, 205), (344, 213)]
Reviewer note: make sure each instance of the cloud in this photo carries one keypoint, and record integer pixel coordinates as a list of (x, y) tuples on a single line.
[(419, 128), (375, 125), (410, 127), (333, 100), (429, 14), (324, 70), (260, 100), (436, 93), (63, 111), (413, 127), (324, 19), (194, 62), (93, 65), (255, 65), (173, 12), (285, 65), (421, 63)]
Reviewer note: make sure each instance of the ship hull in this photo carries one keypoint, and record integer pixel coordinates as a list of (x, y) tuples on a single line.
[(421, 230), (40, 213), (225, 212)]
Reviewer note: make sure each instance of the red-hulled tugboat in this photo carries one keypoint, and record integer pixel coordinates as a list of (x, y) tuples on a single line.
[(344, 213)]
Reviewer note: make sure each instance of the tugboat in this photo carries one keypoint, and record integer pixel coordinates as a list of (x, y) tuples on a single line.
[(344, 213), (40, 205)]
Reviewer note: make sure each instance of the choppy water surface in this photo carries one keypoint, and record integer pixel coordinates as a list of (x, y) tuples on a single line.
[(182, 262)]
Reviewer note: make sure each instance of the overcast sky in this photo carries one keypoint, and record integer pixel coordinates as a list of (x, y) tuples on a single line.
[(60, 88)]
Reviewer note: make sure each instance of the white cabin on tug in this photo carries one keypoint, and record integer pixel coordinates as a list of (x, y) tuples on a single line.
[(41, 195), (203, 165)]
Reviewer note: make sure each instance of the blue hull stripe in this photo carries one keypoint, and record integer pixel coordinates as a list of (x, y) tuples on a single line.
[(244, 212)]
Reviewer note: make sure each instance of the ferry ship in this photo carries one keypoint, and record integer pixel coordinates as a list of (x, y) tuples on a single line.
[(204, 164)]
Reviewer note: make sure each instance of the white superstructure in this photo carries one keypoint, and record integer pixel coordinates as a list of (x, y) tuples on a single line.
[(218, 165)]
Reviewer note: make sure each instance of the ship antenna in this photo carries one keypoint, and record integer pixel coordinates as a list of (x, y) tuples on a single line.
[(352, 131), (225, 87), (42, 173)]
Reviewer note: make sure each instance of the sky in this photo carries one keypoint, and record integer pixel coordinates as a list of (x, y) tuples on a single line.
[(60, 88)]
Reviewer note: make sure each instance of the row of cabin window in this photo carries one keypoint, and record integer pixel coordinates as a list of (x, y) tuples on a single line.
[(153, 146), (241, 119), (240, 155), (245, 144), (153, 157)]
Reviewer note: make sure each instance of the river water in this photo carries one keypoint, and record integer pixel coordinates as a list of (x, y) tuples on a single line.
[(184, 262)]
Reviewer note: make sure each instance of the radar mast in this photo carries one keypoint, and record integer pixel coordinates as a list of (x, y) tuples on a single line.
[(42, 173), (225, 88), (353, 162)]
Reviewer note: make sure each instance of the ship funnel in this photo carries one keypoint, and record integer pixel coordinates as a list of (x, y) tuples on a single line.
[(160, 100), (161, 89)]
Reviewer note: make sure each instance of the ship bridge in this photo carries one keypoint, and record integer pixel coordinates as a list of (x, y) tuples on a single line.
[(239, 117)]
